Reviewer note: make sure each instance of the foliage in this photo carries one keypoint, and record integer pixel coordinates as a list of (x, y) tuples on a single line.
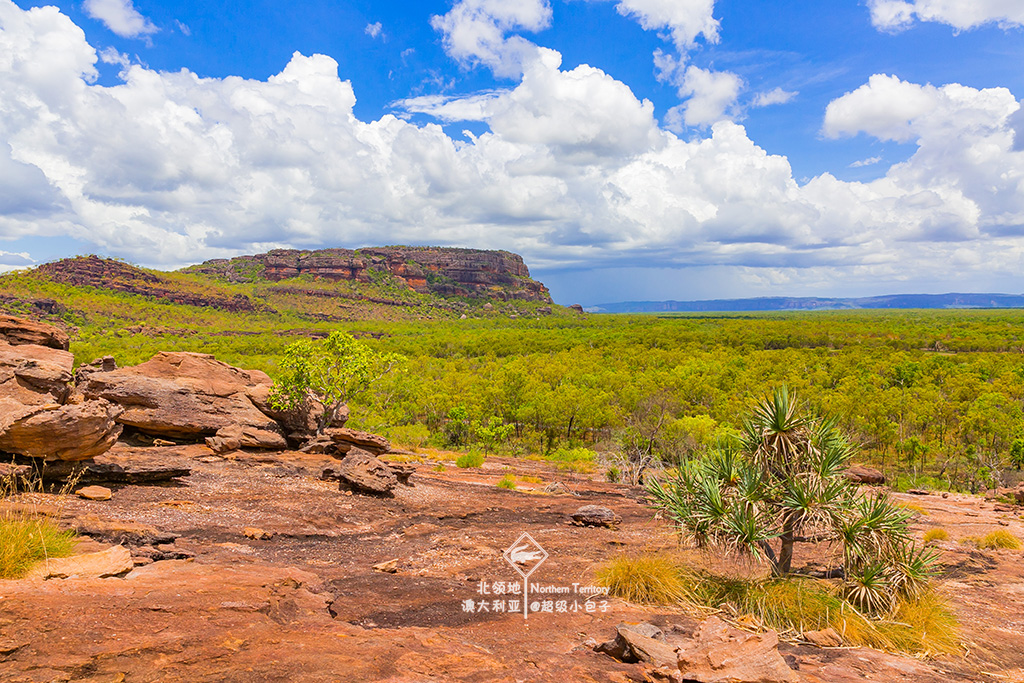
[(507, 482), (332, 371), (935, 535), (923, 625), (471, 459), (933, 395), (787, 486)]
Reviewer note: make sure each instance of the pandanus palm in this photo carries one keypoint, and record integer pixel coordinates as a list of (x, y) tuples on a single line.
[(787, 485)]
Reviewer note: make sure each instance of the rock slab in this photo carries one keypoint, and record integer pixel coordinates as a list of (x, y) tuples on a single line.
[(719, 653), (107, 563)]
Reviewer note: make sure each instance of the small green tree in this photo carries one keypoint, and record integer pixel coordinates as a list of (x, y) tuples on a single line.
[(786, 485), (331, 371)]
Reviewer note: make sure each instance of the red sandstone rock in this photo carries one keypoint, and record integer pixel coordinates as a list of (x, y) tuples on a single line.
[(189, 395), (859, 474), (58, 432), (18, 331)]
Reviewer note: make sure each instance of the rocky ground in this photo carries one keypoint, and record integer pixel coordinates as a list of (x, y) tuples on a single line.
[(252, 568)]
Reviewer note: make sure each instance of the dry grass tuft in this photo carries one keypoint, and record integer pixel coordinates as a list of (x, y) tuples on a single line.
[(28, 533), (934, 535), (999, 539), (645, 579)]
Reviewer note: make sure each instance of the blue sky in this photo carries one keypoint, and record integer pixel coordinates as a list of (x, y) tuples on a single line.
[(629, 149)]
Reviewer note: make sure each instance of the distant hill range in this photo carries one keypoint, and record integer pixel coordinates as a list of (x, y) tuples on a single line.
[(784, 303), (326, 285)]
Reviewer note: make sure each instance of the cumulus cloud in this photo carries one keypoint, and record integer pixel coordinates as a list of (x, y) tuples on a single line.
[(771, 97), (710, 97), (898, 15), (374, 30), (120, 16), (475, 32), (684, 20), (573, 170)]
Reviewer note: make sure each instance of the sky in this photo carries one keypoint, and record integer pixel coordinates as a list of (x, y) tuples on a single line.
[(627, 149)]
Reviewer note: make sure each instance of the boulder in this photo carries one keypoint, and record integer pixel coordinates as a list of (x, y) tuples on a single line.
[(373, 443), (719, 653), (189, 395), (363, 472), (58, 432), (859, 474), (595, 515), (34, 375), (18, 331), (111, 562)]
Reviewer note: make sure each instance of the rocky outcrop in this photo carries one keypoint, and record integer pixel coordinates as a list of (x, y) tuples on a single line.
[(92, 271), (18, 331), (190, 396), (58, 432), (39, 415), (439, 270)]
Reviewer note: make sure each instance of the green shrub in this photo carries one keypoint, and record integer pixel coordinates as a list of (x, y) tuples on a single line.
[(580, 460), (507, 482), (471, 459)]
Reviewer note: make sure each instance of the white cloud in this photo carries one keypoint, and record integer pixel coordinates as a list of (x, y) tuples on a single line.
[(685, 20), (897, 15), (120, 16), (374, 30), (712, 94), (870, 161), (184, 28), (771, 97), (475, 32), (574, 171)]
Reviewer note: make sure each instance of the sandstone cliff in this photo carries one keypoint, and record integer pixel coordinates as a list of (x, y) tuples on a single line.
[(444, 271)]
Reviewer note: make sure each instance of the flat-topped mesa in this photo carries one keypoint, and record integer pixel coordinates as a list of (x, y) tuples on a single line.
[(446, 271)]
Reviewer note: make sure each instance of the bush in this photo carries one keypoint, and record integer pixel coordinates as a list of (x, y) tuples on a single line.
[(414, 436), (507, 482), (934, 535), (788, 485), (1000, 539), (579, 460), (471, 459), (439, 467)]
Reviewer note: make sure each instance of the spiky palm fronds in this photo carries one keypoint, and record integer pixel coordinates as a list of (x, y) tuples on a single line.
[(789, 485)]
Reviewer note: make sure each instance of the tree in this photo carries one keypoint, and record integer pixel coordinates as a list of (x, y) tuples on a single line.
[(787, 484), (331, 371)]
